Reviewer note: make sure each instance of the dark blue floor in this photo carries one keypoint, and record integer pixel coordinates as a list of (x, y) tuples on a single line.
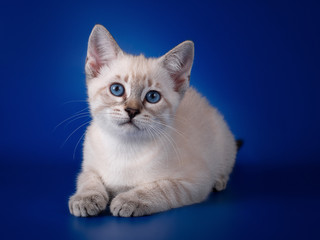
[(261, 202)]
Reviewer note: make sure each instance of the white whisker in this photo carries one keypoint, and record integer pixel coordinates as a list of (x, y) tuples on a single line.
[(74, 132), (74, 101), (74, 115), (83, 116), (163, 143), (173, 144), (75, 149), (168, 126), (175, 118)]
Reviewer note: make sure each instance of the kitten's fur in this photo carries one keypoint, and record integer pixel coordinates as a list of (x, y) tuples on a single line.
[(172, 154)]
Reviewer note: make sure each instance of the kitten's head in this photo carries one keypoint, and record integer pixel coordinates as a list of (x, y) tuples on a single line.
[(134, 96)]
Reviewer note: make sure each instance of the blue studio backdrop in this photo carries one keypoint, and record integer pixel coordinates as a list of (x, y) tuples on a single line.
[(256, 61)]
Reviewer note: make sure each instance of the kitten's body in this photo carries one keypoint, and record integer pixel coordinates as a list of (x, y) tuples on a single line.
[(170, 154)]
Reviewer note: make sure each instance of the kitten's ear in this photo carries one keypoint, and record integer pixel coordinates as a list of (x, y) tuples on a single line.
[(102, 49), (178, 62)]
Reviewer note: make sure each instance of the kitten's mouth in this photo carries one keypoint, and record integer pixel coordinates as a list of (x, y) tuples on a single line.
[(129, 123)]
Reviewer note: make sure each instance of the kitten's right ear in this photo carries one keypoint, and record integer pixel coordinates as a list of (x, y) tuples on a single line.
[(102, 49)]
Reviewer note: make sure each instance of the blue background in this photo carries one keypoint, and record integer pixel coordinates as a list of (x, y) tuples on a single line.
[(257, 62)]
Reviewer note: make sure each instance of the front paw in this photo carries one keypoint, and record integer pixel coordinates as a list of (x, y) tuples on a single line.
[(86, 204), (128, 205)]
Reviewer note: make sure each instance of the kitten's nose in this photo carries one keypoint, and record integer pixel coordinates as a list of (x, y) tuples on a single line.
[(132, 112)]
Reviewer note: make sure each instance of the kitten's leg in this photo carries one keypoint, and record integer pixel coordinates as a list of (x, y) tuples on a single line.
[(91, 197), (156, 197)]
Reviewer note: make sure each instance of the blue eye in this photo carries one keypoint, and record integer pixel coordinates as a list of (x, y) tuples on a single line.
[(117, 89), (153, 97)]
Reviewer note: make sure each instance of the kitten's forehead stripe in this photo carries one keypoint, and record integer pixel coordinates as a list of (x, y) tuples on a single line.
[(139, 77), (126, 78), (149, 83)]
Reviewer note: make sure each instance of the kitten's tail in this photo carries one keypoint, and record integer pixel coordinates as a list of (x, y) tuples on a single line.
[(239, 143)]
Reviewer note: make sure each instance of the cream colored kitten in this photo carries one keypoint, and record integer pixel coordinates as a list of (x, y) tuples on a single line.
[(154, 143)]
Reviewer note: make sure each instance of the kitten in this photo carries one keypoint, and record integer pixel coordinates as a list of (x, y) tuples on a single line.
[(154, 143)]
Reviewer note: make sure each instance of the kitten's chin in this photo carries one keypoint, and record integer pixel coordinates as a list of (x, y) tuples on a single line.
[(126, 131), (129, 125)]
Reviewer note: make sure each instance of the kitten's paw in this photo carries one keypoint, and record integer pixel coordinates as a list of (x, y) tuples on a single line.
[(128, 205), (220, 184), (87, 204)]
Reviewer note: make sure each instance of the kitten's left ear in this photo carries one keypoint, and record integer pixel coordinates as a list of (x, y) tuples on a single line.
[(102, 49), (178, 62)]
